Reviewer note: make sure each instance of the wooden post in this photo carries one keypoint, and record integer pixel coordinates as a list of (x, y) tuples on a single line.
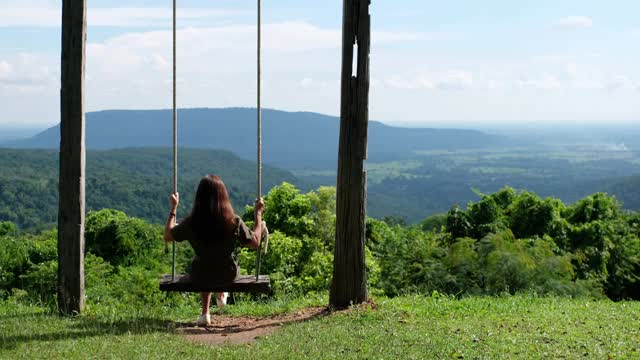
[(349, 284), (72, 159)]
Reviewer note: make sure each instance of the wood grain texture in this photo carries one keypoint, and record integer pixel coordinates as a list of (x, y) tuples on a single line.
[(243, 283), (71, 211), (349, 285)]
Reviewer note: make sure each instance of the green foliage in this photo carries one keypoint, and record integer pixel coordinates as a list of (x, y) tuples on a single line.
[(513, 242), (323, 214), (135, 181), (27, 262), (117, 238), (485, 217), (623, 268), (532, 216), (458, 223), (40, 281), (595, 207), (589, 249), (288, 211), (14, 261), (465, 266), (408, 259), (434, 223), (7, 228)]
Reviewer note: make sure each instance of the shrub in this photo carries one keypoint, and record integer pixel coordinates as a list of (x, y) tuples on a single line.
[(458, 223), (7, 228), (463, 263), (119, 239), (434, 223), (623, 268), (531, 216), (287, 211), (40, 281), (598, 206)]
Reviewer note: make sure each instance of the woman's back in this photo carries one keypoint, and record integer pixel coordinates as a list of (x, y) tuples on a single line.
[(214, 262)]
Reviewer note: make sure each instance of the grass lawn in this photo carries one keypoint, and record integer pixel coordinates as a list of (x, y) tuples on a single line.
[(411, 327)]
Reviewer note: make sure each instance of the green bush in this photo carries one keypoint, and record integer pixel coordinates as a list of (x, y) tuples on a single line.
[(14, 262), (287, 211), (119, 239), (40, 281), (531, 216), (7, 228), (434, 223), (459, 224), (598, 206), (623, 268), (463, 263)]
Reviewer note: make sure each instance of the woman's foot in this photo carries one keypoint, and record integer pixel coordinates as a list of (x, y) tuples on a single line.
[(204, 320), (221, 299)]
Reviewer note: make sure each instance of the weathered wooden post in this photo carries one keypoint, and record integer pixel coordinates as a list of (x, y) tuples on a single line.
[(349, 284), (72, 159)]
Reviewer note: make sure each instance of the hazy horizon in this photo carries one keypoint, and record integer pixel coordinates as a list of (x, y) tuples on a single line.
[(609, 132)]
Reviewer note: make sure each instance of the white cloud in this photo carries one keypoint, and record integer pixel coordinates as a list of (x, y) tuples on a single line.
[(25, 70), (25, 81), (451, 80), (572, 23), (392, 37), (546, 82), (312, 84), (5, 70), (45, 14), (495, 84), (617, 82), (216, 67)]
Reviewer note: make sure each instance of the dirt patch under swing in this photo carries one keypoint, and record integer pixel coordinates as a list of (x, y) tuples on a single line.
[(243, 329)]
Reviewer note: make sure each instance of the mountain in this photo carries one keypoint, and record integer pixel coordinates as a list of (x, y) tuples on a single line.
[(292, 140), (136, 181)]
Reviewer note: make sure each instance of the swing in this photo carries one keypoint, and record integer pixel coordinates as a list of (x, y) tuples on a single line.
[(245, 283)]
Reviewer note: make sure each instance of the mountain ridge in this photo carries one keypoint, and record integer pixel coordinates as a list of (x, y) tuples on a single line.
[(292, 140)]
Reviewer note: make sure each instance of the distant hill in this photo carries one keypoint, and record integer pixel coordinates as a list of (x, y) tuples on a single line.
[(293, 140), (136, 181)]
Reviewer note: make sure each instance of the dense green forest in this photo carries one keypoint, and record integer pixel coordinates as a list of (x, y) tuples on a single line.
[(507, 242), (431, 182), (136, 181)]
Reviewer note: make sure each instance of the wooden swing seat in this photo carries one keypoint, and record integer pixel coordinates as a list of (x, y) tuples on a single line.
[(242, 284)]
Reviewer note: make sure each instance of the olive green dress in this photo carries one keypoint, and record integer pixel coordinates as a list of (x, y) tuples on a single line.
[(214, 263)]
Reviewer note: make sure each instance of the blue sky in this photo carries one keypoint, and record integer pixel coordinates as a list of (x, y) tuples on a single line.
[(433, 62)]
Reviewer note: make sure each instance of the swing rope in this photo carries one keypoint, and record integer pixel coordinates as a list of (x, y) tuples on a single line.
[(259, 129), (175, 135)]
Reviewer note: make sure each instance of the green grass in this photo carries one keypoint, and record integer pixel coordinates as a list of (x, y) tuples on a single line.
[(408, 327)]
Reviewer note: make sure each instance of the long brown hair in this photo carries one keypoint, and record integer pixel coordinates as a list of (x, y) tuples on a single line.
[(212, 217)]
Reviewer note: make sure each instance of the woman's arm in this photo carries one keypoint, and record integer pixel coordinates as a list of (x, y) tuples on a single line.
[(257, 224), (174, 199)]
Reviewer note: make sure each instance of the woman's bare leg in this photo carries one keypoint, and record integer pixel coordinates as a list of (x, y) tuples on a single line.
[(206, 302), (220, 296)]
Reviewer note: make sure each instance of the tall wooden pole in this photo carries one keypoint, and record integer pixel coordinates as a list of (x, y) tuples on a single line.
[(72, 159), (349, 284)]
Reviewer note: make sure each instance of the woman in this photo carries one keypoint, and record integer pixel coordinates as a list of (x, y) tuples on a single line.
[(214, 231)]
